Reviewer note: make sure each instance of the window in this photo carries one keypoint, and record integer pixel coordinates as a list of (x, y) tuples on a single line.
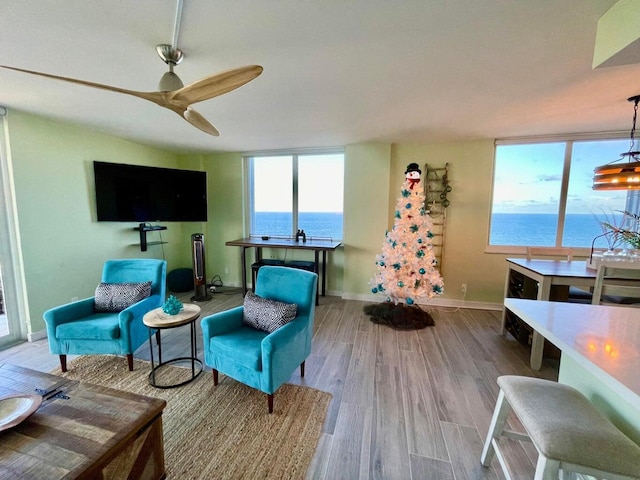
[(542, 194), (288, 192)]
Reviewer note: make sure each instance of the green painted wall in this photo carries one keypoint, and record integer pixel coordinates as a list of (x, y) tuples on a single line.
[(366, 179), (63, 245), (467, 226), (224, 173)]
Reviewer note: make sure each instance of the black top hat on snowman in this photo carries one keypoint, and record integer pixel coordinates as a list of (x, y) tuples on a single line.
[(413, 167)]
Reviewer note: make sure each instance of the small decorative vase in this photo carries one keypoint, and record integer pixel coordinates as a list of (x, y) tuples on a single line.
[(172, 306)]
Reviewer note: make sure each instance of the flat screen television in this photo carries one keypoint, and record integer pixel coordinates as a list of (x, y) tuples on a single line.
[(136, 193)]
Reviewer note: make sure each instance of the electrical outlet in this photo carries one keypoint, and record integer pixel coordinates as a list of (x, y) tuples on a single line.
[(463, 288), (74, 299), (226, 269)]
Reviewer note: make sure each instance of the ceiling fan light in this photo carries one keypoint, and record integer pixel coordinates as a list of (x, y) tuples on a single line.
[(169, 82)]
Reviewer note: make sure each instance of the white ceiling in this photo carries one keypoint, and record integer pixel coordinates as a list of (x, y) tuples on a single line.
[(336, 72)]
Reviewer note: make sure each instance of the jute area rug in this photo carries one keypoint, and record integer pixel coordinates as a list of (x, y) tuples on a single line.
[(222, 432)]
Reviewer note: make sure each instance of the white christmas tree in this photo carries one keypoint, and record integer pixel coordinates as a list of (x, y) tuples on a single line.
[(406, 268)]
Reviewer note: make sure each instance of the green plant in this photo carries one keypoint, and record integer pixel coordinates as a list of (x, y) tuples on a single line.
[(627, 231)]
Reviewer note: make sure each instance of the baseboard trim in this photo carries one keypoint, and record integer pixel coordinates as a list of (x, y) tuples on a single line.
[(435, 302), (35, 336)]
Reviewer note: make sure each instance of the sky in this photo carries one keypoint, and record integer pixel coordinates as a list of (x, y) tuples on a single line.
[(321, 183), (528, 178)]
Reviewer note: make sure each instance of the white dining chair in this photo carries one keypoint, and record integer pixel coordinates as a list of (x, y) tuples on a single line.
[(575, 294), (551, 253), (617, 284)]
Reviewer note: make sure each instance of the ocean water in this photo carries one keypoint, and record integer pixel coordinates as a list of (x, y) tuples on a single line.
[(533, 229), (314, 224), (539, 229)]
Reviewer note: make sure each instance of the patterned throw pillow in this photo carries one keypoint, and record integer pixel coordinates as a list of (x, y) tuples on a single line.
[(115, 297), (267, 315)]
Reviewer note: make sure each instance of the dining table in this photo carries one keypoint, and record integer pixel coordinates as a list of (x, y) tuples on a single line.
[(542, 279)]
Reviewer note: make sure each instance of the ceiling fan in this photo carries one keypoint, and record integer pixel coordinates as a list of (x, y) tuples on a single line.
[(172, 94)]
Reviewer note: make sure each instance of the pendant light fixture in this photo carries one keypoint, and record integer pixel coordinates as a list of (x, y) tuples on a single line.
[(621, 176)]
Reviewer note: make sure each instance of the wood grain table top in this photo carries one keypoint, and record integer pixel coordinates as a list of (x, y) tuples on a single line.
[(156, 318), (73, 435)]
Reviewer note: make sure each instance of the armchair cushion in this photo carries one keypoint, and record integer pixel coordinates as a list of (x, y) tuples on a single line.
[(266, 314), (115, 297), (242, 346), (100, 326)]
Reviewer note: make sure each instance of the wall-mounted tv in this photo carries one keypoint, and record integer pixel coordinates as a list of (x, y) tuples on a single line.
[(135, 193)]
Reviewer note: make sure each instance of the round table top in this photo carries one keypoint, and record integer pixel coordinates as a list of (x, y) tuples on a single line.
[(156, 318)]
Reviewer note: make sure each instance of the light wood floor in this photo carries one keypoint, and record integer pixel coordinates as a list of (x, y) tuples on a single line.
[(406, 404)]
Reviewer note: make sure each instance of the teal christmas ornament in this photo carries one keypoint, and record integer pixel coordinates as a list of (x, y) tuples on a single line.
[(172, 306), (409, 301)]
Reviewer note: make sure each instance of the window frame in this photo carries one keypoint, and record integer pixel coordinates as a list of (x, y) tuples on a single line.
[(569, 141), (247, 158)]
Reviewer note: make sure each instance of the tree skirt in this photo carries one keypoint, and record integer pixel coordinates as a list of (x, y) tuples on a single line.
[(400, 316)]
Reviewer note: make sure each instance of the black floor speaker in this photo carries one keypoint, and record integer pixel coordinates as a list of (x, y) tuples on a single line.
[(199, 275)]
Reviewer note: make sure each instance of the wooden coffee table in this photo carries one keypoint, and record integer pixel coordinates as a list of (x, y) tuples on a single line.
[(81, 431), (159, 320)]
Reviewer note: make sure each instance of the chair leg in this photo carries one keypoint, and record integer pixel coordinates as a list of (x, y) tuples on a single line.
[(63, 363), (546, 469), (270, 402), (302, 369), (496, 427), (215, 376), (130, 361)]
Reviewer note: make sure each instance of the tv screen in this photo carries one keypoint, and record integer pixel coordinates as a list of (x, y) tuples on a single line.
[(134, 193)]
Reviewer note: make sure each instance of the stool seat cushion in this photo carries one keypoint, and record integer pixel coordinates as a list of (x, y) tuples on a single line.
[(565, 426), (302, 264)]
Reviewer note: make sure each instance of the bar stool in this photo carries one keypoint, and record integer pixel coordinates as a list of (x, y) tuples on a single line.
[(261, 263), (568, 432)]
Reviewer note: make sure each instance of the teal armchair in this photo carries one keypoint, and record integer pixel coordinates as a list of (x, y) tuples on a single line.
[(257, 358), (81, 328)]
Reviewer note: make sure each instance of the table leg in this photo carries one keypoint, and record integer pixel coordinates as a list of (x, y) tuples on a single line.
[(324, 272), (159, 343), (153, 370), (503, 323), (316, 257), (243, 256), (537, 340), (537, 348)]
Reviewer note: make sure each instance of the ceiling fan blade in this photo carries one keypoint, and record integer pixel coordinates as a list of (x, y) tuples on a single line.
[(198, 121), (155, 97), (215, 85)]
